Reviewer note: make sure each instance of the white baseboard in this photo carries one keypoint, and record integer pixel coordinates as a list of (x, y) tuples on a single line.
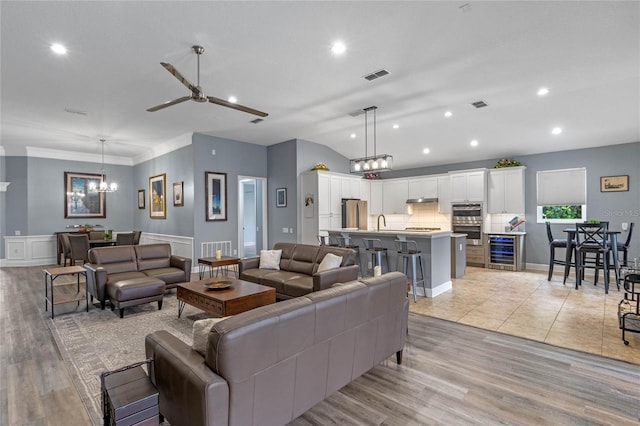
[(433, 292)]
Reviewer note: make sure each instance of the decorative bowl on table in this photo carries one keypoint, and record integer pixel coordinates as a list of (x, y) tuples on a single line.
[(217, 285)]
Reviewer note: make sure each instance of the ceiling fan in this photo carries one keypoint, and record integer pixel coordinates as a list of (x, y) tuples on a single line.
[(196, 91)]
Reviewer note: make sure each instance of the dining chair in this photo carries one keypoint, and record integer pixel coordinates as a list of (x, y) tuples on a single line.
[(592, 238), (125, 239), (96, 235), (66, 249), (624, 246), (136, 237), (555, 243), (79, 245)]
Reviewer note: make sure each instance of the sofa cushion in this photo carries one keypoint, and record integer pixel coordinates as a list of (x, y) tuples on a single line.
[(278, 279), (168, 275), (121, 276), (298, 286), (287, 253), (270, 259), (303, 259), (135, 288), (153, 256), (330, 261), (114, 259)]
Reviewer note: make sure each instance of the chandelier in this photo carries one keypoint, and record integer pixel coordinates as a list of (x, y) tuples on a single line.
[(104, 186), (375, 162)]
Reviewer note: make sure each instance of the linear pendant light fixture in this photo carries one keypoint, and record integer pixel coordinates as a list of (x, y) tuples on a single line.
[(374, 163), (104, 186)]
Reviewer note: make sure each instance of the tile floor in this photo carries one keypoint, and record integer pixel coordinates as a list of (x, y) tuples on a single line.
[(525, 304)]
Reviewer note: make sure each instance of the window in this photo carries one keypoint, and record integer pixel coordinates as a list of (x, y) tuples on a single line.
[(562, 195)]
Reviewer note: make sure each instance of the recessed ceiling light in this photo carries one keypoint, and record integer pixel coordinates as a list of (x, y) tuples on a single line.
[(426, 151), (232, 99), (58, 48), (338, 48), (353, 135), (474, 142), (448, 114), (543, 91), (556, 130), (396, 126)]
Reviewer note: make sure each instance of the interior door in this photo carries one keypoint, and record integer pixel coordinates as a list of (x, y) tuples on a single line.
[(252, 216)]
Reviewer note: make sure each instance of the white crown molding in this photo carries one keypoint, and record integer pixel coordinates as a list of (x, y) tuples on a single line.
[(3, 186), (165, 148), (56, 154)]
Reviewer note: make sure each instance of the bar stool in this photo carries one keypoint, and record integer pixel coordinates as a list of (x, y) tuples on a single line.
[(624, 246), (374, 249), (346, 242), (326, 240), (557, 243), (408, 251)]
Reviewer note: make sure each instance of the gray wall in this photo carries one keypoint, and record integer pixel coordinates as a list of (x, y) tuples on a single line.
[(235, 159), (311, 153), (282, 174), (616, 207), (178, 166)]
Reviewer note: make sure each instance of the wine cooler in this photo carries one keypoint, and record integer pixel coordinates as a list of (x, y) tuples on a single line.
[(505, 252)]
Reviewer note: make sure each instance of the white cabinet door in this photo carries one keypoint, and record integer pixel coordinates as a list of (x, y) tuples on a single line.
[(505, 191), (423, 187), (375, 202), (335, 195), (365, 190), (350, 187), (458, 187), (394, 196), (415, 188), (324, 194), (495, 191), (444, 194), (476, 186)]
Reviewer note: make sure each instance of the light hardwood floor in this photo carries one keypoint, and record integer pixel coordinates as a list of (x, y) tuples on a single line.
[(452, 373)]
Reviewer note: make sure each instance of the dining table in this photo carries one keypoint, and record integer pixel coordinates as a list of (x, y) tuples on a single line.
[(102, 243), (613, 242)]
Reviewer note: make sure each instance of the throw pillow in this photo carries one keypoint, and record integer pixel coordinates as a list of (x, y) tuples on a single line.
[(270, 259), (201, 333), (330, 261)]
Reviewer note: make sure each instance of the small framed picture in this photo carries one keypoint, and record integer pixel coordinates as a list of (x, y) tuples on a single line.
[(178, 197), (157, 198), (281, 197), (141, 198), (614, 183), (216, 196)]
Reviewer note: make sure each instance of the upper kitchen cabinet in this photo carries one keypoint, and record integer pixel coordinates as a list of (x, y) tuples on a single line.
[(505, 190), (469, 186), (394, 196), (425, 187), (375, 197), (444, 194), (351, 187)]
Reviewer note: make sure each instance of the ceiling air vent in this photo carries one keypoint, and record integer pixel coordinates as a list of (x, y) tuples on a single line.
[(479, 104), (376, 74), (257, 120)]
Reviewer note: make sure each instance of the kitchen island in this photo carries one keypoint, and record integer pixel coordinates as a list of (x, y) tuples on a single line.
[(434, 245)]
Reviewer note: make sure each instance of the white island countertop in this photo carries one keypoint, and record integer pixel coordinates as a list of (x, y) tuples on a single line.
[(506, 233), (386, 231)]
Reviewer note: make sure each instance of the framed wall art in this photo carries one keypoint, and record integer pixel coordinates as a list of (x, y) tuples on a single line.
[(614, 183), (79, 202), (281, 197), (157, 196), (216, 193), (141, 199), (178, 196)]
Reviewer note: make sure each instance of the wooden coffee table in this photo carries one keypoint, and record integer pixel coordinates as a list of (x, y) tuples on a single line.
[(242, 296)]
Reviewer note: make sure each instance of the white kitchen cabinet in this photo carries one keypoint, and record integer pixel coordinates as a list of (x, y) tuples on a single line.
[(505, 190), (425, 187), (326, 191), (468, 186), (444, 194), (351, 187), (394, 196), (375, 201), (365, 190)]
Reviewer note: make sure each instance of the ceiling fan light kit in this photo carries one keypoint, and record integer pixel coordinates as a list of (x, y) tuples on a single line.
[(196, 91), (376, 162)]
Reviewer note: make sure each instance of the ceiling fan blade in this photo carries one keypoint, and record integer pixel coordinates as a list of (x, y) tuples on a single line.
[(242, 108), (169, 103), (179, 76)]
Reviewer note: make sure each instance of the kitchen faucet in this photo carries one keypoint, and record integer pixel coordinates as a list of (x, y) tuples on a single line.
[(384, 220)]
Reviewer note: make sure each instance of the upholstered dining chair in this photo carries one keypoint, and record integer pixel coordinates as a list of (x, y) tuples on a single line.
[(624, 246), (125, 239), (96, 235), (553, 245), (66, 249), (136, 237), (79, 245), (592, 239)]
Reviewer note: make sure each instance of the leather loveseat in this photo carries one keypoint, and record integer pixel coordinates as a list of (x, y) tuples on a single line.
[(269, 365), (298, 269), (131, 275)]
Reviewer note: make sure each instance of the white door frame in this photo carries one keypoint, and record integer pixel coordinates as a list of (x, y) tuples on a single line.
[(241, 212)]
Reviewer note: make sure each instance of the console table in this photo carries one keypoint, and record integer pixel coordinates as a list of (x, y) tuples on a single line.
[(64, 293)]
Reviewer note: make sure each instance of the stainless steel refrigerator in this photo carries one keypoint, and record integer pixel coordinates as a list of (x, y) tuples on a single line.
[(355, 213)]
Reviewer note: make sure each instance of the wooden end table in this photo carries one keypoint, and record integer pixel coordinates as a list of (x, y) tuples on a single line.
[(240, 297), (64, 293), (214, 262)]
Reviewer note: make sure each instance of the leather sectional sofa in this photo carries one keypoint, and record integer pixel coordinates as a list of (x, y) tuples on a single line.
[(269, 365), (298, 269), (132, 275)]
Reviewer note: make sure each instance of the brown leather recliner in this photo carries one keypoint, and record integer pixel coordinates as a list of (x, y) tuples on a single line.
[(269, 365)]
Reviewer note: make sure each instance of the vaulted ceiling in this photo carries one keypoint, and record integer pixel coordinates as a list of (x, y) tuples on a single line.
[(276, 57)]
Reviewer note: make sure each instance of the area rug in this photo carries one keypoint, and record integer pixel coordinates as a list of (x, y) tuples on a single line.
[(99, 340)]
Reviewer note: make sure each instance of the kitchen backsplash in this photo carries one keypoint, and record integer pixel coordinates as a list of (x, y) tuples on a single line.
[(498, 222), (421, 215)]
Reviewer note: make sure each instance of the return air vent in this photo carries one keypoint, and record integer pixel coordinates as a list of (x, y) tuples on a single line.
[(479, 104), (376, 74), (257, 121)]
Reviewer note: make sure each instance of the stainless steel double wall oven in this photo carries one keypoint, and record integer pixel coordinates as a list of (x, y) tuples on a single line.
[(467, 219)]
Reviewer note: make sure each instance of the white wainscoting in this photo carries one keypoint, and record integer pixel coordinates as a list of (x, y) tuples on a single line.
[(34, 250)]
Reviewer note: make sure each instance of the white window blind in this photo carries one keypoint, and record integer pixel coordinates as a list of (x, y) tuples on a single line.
[(562, 187)]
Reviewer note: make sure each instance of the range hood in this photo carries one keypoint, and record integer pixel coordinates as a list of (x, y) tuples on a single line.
[(421, 200)]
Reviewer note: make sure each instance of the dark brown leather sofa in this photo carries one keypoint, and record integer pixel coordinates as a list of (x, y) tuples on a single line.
[(132, 275), (298, 269), (269, 365)]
